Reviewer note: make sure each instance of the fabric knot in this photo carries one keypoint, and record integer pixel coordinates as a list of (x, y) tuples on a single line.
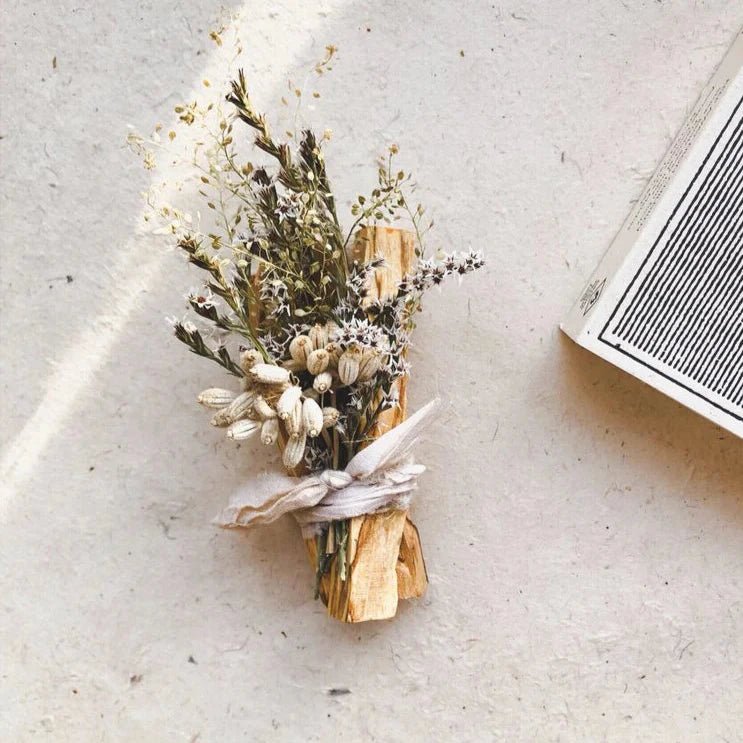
[(380, 477), (335, 479)]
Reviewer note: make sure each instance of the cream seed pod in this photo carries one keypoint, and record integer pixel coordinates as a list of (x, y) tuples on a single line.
[(294, 451), (323, 382), (300, 348), (288, 400), (269, 374), (370, 364), (312, 418), (330, 417), (263, 409), (240, 406), (249, 358), (216, 397), (319, 336), (334, 353), (222, 418), (348, 365), (294, 423), (270, 431), (317, 361), (241, 430)]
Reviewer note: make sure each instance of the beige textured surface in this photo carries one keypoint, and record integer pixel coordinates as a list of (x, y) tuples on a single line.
[(583, 534)]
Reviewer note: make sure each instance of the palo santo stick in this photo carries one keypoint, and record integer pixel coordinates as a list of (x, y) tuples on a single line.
[(384, 558)]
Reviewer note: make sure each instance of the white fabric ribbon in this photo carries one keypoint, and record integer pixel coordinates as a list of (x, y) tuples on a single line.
[(381, 476)]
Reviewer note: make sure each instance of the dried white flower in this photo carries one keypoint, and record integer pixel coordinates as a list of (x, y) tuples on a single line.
[(300, 348), (348, 365), (312, 418), (330, 417), (270, 431), (294, 451), (241, 430), (323, 382), (317, 361), (216, 397), (269, 374), (288, 400)]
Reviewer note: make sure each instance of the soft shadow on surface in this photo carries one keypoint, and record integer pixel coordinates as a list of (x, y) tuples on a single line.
[(594, 389)]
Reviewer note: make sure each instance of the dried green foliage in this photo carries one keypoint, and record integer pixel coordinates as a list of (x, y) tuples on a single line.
[(277, 276)]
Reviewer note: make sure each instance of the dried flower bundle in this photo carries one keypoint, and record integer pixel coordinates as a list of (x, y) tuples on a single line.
[(284, 306)]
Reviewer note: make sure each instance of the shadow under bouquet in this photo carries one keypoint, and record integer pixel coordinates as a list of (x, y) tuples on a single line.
[(314, 323)]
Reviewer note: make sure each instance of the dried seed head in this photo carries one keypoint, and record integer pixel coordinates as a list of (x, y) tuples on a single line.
[(330, 417), (270, 431), (348, 365), (249, 358), (312, 418), (317, 361), (294, 423), (288, 400), (323, 382), (240, 406), (242, 430), (294, 451), (370, 364), (263, 409), (222, 418), (215, 397), (319, 336), (334, 353), (269, 374), (300, 348)]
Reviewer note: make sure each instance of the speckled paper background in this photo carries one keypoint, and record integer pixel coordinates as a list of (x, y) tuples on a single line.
[(584, 534)]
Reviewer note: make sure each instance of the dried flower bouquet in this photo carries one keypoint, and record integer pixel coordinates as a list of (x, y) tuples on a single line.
[(314, 321)]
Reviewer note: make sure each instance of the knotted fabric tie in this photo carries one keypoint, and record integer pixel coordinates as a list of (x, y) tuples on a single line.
[(381, 476)]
